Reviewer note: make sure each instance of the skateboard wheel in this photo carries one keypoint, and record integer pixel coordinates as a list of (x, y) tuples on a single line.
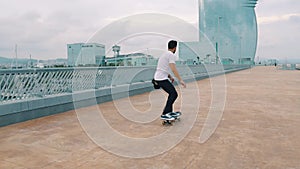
[(169, 122)]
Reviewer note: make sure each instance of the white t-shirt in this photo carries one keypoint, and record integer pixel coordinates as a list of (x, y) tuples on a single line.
[(163, 68)]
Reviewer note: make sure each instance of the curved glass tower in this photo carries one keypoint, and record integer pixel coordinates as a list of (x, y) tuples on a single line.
[(231, 27)]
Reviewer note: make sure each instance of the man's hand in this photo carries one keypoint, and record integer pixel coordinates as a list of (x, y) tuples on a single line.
[(182, 83)]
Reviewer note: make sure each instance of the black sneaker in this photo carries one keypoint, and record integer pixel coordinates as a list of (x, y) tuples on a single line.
[(167, 117)]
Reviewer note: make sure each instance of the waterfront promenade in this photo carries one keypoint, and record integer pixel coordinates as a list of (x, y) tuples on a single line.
[(259, 129)]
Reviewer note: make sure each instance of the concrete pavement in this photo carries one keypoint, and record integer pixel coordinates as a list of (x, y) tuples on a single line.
[(259, 129)]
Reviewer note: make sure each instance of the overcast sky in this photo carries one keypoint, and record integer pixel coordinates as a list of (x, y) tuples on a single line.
[(42, 28)]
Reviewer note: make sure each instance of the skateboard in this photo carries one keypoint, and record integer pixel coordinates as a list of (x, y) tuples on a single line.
[(175, 115)]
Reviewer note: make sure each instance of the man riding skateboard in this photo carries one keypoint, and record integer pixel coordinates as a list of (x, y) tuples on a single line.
[(163, 79)]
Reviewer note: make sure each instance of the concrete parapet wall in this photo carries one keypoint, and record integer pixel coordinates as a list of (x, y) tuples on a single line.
[(140, 82)]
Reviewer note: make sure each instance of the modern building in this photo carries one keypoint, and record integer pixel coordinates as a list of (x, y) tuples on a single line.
[(194, 53), (227, 33), (232, 27), (86, 54)]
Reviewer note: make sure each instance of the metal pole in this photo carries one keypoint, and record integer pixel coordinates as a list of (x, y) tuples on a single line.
[(218, 40), (30, 64), (16, 50), (240, 61)]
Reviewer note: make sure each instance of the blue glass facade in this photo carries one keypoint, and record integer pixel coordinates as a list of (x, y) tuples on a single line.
[(231, 27)]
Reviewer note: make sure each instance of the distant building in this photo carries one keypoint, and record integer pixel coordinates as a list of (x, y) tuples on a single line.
[(194, 53), (272, 61), (116, 49), (188, 52), (84, 54), (133, 59), (228, 34), (227, 61), (231, 27)]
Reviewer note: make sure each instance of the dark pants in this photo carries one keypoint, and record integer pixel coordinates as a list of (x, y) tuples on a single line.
[(168, 87)]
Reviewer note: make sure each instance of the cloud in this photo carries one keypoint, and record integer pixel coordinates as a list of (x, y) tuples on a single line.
[(278, 27), (268, 8), (145, 31), (43, 28), (272, 19), (278, 36)]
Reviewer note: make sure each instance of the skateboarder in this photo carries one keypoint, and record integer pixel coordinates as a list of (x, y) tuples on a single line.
[(163, 77)]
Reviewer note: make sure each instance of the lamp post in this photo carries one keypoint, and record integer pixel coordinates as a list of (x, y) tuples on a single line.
[(240, 60), (218, 40), (16, 55)]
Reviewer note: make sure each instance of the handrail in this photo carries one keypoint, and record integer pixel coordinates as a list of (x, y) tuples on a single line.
[(30, 83)]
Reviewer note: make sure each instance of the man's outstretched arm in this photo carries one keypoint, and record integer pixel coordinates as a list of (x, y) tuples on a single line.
[(175, 71)]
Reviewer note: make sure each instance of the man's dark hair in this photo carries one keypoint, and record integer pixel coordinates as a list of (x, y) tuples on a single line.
[(172, 44)]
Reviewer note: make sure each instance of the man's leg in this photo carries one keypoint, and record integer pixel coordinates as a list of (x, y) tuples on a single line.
[(168, 87)]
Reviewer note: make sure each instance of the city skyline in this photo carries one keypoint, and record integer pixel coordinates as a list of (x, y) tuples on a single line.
[(43, 29)]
